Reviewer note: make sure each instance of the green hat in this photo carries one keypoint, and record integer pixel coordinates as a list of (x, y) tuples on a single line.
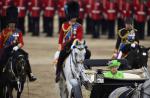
[(114, 63)]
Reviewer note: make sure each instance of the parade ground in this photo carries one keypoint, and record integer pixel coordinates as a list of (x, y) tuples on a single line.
[(41, 52)]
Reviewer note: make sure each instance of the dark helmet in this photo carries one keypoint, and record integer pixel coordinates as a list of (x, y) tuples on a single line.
[(71, 9), (11, 14), (129, 20)]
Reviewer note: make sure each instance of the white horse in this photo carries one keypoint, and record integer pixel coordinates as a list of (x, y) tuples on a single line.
[(73, 72), (142, 91)]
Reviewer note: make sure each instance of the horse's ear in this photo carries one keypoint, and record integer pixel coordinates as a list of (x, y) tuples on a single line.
[(77, 42), (84, 42)]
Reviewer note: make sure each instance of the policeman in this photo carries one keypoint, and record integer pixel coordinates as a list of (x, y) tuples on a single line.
[(49, 12), (96, 16), (70, 31), (22, 8), (148, 18), (61, 12), (12, 37), (111, 11), (127, 38), (35, 16), (140, 18), (113, 65)]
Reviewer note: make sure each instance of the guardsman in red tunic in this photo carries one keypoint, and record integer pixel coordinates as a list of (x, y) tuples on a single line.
[(61, 12), (120, 14), (88, 18), (148, 18), (5, 5), (140, 17), (49, 11), (104, 21), (22, 8), (29, 16), (0, 14), (11, 38), (127, 9), (35, 15), (111, 12), (70, 31), (96, 16), (81, 11)]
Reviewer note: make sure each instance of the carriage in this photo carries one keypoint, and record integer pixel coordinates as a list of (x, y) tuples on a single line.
[(101, 86)]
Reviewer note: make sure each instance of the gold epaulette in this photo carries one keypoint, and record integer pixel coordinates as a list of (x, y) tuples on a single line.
[(121, 36), (65, 30)]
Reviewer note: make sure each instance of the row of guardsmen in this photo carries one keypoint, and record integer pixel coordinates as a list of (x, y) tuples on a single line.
[(99, 14)]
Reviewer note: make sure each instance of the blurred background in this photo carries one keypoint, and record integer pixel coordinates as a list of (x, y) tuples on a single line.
[(40, 22), (99, 17)]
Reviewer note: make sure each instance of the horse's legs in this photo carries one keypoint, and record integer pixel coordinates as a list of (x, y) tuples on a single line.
[(19, 93), (63, 88), (9, 92)]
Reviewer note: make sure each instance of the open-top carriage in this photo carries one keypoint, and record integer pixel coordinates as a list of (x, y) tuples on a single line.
[(102, 86)]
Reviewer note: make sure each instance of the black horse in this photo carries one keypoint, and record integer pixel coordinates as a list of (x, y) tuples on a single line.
[(137, 57), (13, 75)]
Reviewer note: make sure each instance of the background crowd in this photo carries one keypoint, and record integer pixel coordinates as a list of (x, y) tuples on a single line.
[(100, 16)]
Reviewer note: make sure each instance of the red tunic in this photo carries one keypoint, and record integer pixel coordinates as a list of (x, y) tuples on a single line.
[(96, 10), (120, 8), (148, 6), (48, 8), (60, 8), (140, 12), (64, 31), (1, 4), (35, 8), (88, 6), (5, 5), (22, 7), (127, 10), (111, 10), (7, 32), (82, 9)]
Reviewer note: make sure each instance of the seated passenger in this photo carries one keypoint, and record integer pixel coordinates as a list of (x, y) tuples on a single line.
[(114, 73)]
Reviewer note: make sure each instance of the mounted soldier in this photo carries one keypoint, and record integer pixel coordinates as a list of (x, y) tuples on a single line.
[(70, 31), (11, 39), (127, 38)]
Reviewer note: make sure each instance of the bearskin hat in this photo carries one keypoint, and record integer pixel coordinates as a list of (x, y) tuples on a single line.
[(12, 14), (71, 9)]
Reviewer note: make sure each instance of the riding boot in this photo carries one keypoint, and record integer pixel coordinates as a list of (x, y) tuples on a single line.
[(29, 72), (62, 56)]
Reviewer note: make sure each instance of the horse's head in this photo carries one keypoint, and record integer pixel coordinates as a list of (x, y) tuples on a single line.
[(16, 67), (78, 50)]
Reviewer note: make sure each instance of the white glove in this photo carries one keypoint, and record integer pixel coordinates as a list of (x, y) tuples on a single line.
[(56, 55), (15, 48), (133, 45)]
